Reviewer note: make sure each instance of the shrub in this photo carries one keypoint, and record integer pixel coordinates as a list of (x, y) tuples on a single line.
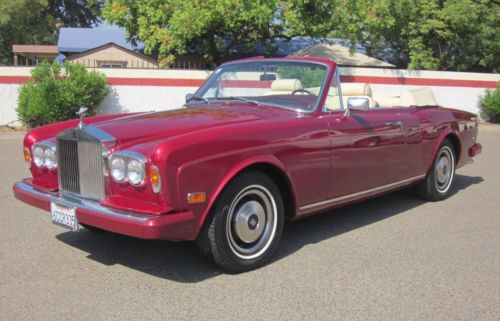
[(56, 92), (489, 104)]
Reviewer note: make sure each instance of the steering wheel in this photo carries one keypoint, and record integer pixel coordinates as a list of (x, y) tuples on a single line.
[(303, 91)]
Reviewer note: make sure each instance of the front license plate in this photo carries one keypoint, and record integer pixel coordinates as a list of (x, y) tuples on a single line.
[(64, 216)]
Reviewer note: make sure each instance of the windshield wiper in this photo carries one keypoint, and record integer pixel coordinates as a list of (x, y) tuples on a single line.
[(251, 101), (194, 97)]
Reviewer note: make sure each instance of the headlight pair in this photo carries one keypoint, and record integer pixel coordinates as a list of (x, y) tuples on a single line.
[(44, 155), (128, 166)]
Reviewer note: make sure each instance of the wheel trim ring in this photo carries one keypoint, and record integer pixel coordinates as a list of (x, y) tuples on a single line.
[(269, 231), (445, 159)]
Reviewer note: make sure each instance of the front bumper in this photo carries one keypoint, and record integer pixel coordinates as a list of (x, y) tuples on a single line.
[(173, 226)]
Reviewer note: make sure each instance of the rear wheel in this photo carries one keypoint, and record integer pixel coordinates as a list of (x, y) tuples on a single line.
[(245, 224), (439, 179)]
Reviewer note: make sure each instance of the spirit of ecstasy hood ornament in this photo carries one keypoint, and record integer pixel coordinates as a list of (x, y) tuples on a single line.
[(82, 112)]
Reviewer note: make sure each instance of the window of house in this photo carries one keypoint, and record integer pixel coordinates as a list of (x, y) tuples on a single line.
[(112, 64)]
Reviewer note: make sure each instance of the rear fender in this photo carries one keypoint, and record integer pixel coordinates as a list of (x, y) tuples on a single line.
[(444, 134)]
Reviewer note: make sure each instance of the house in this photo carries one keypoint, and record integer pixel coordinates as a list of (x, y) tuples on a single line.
[(106, 47), (102, 48), (112, 55), (27, 55)]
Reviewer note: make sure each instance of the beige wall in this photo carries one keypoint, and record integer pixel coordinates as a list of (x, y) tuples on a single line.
[(115, 55)]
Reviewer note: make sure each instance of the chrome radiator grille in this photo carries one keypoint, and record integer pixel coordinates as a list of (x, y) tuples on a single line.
[(81, 167)]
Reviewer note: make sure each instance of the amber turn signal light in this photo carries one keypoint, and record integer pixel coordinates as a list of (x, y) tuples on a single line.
[(195, 198), (154, 173), (27, 155)]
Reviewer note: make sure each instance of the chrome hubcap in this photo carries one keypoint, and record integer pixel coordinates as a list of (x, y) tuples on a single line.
[(251, 222), (444, 169), (247, 221)]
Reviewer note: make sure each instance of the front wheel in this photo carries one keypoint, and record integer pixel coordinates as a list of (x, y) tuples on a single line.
[(245, 224), (439, 179)]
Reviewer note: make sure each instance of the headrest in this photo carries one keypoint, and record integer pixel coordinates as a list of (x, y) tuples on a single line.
[(286, 85), (356, 89)]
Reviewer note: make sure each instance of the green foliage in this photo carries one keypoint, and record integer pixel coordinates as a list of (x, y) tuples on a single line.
[(75, 13), (37, 21), (56, 92), (457, 35), (460, 35), (310, 77), (213, 27), (24, 22), (489, 104)]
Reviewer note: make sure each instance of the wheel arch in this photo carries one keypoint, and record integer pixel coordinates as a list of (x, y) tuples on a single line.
[(457, 147), (450, 135), (282, 181), (267, 165)]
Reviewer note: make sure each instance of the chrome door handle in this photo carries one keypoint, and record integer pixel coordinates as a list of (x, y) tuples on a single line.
[(395, 124)]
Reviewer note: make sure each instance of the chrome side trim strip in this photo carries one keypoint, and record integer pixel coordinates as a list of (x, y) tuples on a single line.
[(362, 193), (79, 203)]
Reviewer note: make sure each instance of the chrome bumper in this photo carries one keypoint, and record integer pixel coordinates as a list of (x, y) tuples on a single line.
[(172, 226), (83, 204)]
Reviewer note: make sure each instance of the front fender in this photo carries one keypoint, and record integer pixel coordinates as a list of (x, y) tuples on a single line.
[(212, 176)]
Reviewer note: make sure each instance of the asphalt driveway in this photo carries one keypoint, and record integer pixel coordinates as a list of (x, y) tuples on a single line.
[(390, 258)]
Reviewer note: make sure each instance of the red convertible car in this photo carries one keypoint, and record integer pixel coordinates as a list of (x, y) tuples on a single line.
[(262, 141)]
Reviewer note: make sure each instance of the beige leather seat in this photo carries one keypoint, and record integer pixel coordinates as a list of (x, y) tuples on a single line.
[(418, 97), (284, 87), (408, 97), (359, 90)]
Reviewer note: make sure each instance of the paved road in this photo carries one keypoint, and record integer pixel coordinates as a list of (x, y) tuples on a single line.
[(391, 258)]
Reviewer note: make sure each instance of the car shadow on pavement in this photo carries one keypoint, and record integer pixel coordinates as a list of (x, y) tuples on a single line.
[(317, 228), (181, 262)]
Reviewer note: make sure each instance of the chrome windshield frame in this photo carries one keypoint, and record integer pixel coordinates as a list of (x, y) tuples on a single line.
[(313, 109), (336, 76)]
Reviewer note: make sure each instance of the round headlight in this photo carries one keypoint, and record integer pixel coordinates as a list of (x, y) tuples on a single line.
[(118, 169), (49, 158), (38, 156), (135, 172)]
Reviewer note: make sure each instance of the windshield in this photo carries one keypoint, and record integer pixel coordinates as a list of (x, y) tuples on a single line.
[(286, 84)]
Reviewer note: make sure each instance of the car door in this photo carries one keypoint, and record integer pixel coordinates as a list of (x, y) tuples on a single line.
[(367, 151), (367, 148)]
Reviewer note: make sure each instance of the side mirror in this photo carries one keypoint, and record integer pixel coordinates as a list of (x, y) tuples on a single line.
[(189, 97), (358, 103)]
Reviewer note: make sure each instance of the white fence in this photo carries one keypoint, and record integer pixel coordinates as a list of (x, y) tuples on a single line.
[(153, 89)]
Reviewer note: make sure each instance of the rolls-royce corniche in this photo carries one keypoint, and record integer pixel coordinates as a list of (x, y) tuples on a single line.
[(262, 141)]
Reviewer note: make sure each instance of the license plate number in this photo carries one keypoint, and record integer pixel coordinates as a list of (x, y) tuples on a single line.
[(64, 216)]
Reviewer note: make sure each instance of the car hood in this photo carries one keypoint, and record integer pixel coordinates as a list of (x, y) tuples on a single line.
[(166, 124)]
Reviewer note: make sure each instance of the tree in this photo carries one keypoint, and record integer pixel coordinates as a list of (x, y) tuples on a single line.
[(75, 13), (420, 34), (213, 27), (24, 22), (456, 35), (37, 21), (443, 35)]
